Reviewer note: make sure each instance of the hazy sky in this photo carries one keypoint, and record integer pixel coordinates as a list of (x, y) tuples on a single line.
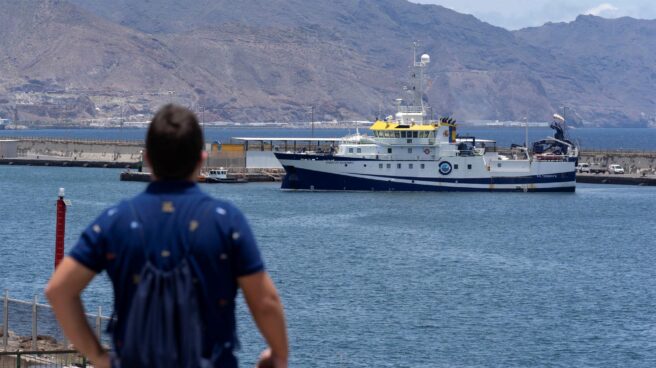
[(515, 14)]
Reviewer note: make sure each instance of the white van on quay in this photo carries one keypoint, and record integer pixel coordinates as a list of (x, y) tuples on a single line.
[(583, 167), (615, 169)]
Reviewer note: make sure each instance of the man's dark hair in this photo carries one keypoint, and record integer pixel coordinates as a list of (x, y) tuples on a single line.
[(174, 143)]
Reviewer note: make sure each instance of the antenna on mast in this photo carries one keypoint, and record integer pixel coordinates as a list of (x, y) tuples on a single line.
[(414, 53), (418, 80)]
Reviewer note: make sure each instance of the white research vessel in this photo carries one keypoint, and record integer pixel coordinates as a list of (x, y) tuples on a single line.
[(410, 152)]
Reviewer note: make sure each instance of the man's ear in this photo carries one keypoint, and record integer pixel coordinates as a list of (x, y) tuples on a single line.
[(146, 158), (201, 161)]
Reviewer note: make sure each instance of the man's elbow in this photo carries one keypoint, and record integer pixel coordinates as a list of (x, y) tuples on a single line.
[(52, 292), (267, 304), (56, 291)]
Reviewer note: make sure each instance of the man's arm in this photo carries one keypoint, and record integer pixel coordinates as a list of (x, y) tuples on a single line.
[(63, 292), (266, 307)]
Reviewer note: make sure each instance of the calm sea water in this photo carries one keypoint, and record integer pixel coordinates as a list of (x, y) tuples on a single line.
[(590, 138), (404, 279)]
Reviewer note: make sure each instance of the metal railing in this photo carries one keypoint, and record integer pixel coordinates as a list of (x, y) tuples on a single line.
[(53, 358), (410, 109), (635, 152), (30, 325)]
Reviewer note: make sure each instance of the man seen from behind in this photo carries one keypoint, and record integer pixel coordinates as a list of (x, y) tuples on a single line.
[(176, 258)]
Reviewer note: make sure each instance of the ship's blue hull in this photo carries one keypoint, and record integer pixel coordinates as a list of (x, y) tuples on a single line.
[(303, 179)]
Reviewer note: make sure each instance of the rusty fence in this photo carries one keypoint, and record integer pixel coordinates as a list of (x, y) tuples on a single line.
[(52, 358), (31, 326)]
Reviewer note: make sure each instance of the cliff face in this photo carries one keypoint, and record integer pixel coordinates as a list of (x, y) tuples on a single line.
[(258, 60), (611, 66)]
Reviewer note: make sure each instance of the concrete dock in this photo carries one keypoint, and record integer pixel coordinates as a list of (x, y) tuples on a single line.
[(58, 162), (647, 180), (254, 161), (247, 176)]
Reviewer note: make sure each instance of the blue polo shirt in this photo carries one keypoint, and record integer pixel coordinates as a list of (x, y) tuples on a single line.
[(156, 224)]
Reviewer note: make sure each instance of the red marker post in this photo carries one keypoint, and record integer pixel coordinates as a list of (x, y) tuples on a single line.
[(61, 228)]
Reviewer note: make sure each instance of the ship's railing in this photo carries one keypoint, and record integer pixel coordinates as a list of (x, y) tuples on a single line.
[(31, 325), (411, 109)]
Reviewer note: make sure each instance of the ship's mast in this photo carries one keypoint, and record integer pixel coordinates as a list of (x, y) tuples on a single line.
[(415, 112), (417, 85), (418, 78)]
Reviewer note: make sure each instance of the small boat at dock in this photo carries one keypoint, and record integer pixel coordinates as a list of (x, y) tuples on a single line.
[(220, 175)]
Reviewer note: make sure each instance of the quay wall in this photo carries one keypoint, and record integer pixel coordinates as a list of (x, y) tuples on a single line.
[(82, 150), (251, 156), (632, 162)]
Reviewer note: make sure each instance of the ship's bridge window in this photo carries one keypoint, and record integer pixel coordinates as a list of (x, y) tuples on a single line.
[(350, 150), (359, 150), (397, 134), (403, 134), (415, 134)]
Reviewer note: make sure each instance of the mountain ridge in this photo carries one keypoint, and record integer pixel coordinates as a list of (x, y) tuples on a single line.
[(272, 60)]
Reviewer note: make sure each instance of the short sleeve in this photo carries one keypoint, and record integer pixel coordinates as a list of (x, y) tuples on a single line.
[(91, 248), (247, 259)]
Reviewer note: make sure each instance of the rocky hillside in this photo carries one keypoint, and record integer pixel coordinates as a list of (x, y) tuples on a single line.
[(258, 60), (611, 66)]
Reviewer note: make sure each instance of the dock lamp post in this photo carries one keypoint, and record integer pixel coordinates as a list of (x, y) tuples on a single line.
[(141, 160), (312, 119)]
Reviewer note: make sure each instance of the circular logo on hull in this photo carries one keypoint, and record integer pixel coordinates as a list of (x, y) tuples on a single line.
[(445, 168)]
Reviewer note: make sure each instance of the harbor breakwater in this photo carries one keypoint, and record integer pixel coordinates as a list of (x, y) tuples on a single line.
[(633, 162), (80, 150), (37, 151)]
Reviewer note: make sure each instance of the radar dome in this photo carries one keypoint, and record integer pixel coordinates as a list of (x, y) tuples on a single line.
[(425, 58)]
